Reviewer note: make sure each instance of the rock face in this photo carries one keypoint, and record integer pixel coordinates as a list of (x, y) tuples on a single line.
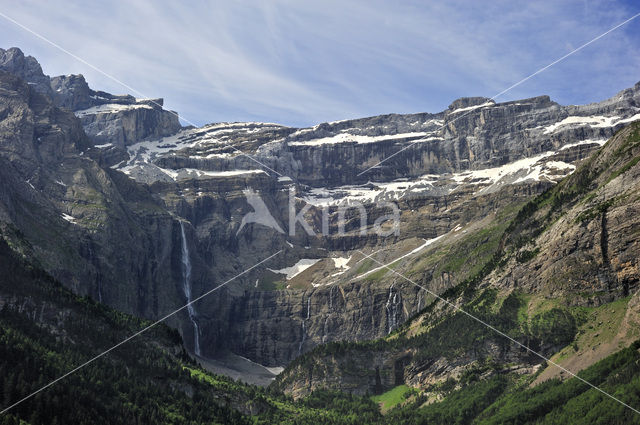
[(100, 195), (107, 118), (126, 122), (371, 371), (72, 92), (457, 166), (94, 229), (462, 138), (26, 67)]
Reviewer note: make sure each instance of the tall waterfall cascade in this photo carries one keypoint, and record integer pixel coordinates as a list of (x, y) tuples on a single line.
[(392, 305), (186, 287)]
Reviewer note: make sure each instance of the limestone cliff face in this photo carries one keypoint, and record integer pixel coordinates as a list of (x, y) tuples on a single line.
[(273, 327), (370, 371), (72, 92), (122, 124), (473, 137), (27, 68), (480, 136), (94, 229)]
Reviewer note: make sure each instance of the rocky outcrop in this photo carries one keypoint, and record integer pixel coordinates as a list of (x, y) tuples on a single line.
[(123, 124), (27, 68), (72, 92), (107, 119), (370, 371)]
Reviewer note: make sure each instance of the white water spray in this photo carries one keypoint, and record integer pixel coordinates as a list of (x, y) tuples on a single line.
[(186, 287), (392, 310)]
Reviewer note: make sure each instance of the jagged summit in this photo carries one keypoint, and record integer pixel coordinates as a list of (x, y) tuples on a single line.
[(15, 62), (466, 102), (107, 118)]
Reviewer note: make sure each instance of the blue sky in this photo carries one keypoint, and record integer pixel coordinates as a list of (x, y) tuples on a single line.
[(303, 62)]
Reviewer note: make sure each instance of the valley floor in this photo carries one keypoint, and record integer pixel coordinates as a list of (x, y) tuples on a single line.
[(239, 368)]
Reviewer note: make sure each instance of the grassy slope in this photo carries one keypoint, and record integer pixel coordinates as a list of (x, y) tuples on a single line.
[(391, 398)]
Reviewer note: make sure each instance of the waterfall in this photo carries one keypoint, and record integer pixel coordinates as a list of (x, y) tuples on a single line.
[(331, 297), (186, 287), (324, 329), (99, 289), (392, 310), (304, 337)]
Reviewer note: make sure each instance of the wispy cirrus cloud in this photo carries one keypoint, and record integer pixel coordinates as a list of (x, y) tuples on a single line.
[(301, 63)]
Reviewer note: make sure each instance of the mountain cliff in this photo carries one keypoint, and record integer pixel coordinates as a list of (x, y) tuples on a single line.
[(519, 215), (123, 188)]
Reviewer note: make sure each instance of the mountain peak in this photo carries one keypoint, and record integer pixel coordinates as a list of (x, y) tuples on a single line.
[(465, 102), (14, 61)]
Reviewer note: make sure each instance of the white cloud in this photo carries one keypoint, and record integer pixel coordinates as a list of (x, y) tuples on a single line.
[(304, 62)]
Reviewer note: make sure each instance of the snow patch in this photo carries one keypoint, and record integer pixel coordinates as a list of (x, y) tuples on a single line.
[(368, 193), (492, 175), (297, 268), (276, 370), (69, 218), (426, 243), (346, 138), (111, 108), (584, 142), (471, 108), (188, 173), (593, 121), (626, 120), (341, 262)]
